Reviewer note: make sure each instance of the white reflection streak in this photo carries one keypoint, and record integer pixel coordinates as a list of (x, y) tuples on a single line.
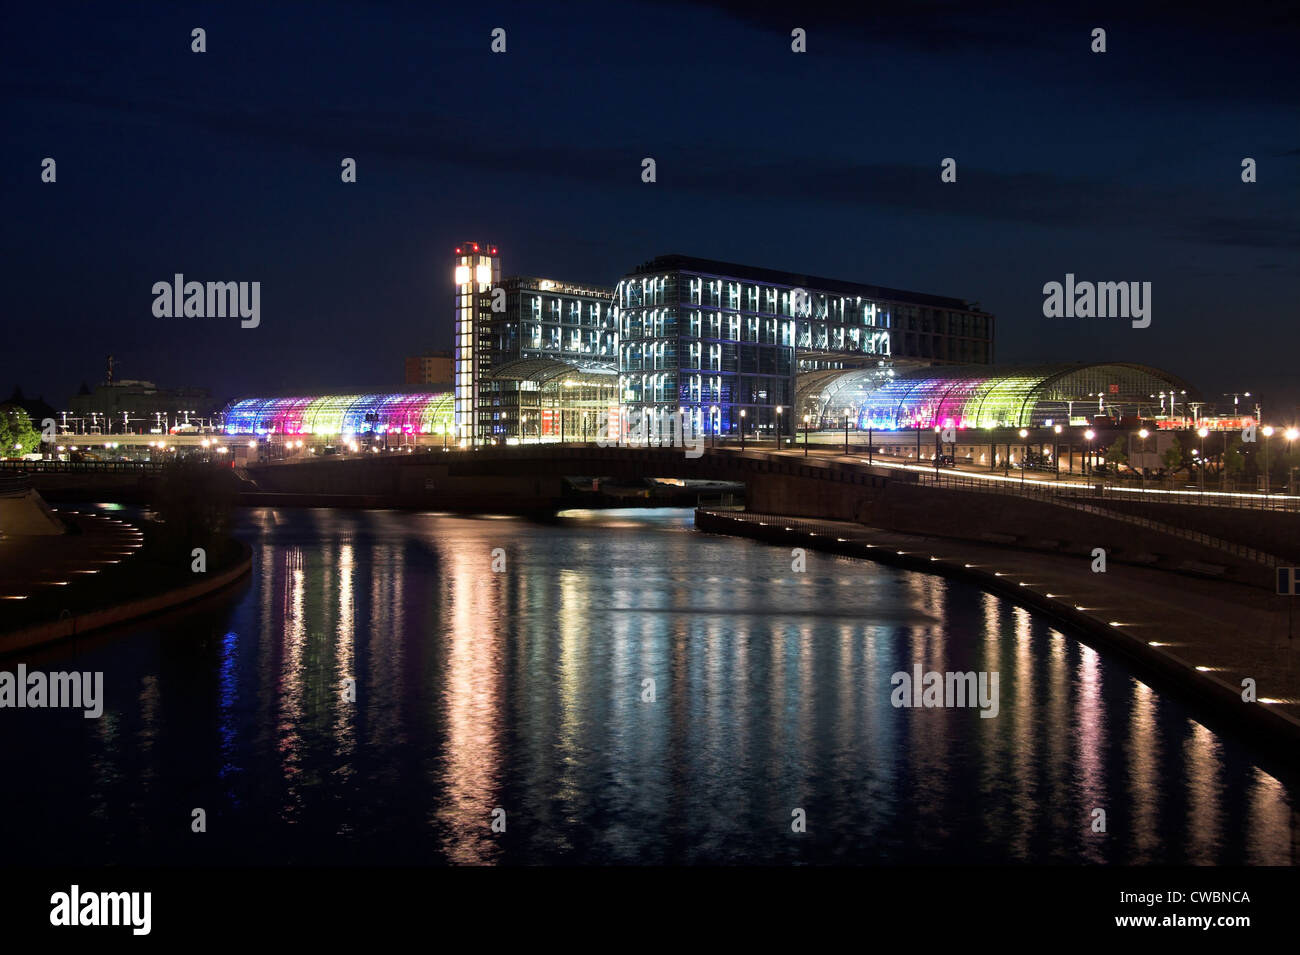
[(1024, 734), (1090, 733), (473, 696), (1144, 769), (1272, 829), (345, 658), (1203, 753)]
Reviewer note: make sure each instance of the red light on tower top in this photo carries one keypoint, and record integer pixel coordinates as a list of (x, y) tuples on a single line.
[(494, 250), (458, 251), (475, 246)]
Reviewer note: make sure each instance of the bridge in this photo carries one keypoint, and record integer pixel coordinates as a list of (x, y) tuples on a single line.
[(1226, 536), (1230, 539)]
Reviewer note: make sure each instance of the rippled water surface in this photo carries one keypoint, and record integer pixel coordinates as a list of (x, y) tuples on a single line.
[(526, 690)]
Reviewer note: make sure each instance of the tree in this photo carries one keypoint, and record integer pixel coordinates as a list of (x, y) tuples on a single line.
[(17, 436), (1234, 458), (1116, 454), (1175, 457)]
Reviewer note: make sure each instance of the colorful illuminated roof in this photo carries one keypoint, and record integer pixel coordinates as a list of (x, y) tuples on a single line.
[(405, 412), (979, 396)]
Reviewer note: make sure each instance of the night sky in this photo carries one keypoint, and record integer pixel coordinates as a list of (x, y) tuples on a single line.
[(225, 166)]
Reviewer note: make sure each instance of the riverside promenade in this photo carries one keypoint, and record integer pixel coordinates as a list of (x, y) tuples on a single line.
[(1205, 636), (56, 586)]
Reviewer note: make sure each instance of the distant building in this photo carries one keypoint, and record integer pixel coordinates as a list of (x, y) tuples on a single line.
[(137, 406), (431, 368), (36, 408)]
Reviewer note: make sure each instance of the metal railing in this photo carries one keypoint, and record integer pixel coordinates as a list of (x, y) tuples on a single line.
[(1067, 496), (55, 466), (1125, 490)]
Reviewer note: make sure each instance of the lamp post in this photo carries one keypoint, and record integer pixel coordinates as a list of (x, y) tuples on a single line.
[(1024, 453), (1268, 433), (716, 421), (778, 427), (1236, 397), (847, 412), (1290, 434), (871, 441), (807, 419), (1143, 433), (1087, 462), (937, 447), (1056, 450), (1202, 432), (742, 429)]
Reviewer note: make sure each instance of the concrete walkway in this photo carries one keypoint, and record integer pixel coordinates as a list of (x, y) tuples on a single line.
[(34, 567), (1208, 634)]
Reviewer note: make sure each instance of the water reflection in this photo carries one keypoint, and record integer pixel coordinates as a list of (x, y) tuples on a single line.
[(624, 690)]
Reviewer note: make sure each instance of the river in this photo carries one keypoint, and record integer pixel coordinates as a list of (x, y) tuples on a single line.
[(519, 693)]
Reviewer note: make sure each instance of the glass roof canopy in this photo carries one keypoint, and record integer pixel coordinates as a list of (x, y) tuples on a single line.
[(982, 396), (328, 415)]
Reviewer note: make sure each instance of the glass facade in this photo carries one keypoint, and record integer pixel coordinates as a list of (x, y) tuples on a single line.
[(724, 342), (1030, 396), (477, 269), (334, 415), (558, 325)]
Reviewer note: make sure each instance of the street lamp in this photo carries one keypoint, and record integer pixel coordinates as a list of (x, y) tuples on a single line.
[(1202, 432), (1143, 433), (847, 412), (1268, 433), (717, 423), (778, 427), (1056, 450), (742, 429), (807, 419), (1024, 453), (1087, 462), (1290, 434)]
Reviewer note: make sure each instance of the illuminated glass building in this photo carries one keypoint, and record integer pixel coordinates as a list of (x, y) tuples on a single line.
[(330, 416), (500, 322), (987, 397), (545, 328), (714, 339), (477, 270)]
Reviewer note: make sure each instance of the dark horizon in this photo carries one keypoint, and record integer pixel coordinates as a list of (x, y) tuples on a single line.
[(224, 166)]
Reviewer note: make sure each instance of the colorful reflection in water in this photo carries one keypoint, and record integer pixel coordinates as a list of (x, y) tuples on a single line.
[(378, 692)]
